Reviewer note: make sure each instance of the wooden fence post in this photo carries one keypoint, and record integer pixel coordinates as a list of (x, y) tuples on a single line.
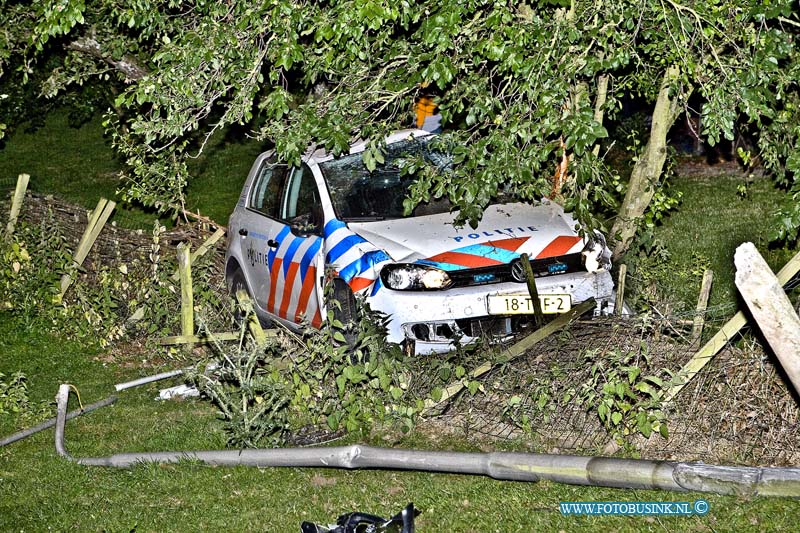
[(187, 298), (16, 203), (620, 297), (203, 248), (702, 305), (201, 251), (538, 317), (97, 220)]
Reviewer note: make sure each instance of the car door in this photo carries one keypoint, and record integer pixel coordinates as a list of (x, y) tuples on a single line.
[(258, 223), (295, 250)]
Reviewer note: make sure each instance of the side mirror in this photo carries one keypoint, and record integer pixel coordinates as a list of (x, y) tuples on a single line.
[(304, 230), (310, 223)]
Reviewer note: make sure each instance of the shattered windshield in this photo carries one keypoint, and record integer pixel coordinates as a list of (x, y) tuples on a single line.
[(359, 194)]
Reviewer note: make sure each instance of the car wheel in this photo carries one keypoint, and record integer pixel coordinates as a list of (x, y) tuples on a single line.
[(237, 283), (346, 311)]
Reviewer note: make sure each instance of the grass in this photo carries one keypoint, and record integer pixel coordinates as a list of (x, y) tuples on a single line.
[(219, 174), (39, 490), (711, 222), (79, 165)]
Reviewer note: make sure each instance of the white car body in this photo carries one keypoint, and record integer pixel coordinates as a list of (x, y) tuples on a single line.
[(284, 270)]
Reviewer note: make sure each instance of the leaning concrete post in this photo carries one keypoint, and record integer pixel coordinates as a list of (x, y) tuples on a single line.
[(770, 307)]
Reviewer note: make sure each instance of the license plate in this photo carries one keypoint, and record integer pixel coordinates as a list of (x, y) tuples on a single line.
[(521, 304)]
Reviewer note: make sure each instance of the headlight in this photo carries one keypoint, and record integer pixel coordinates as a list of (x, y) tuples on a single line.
[(596, 255), (413, 277)]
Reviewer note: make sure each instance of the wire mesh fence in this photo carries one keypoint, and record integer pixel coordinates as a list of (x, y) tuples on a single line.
[(737, 410)]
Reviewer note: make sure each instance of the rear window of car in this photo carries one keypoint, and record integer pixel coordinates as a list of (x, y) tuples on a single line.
[(266, 195)]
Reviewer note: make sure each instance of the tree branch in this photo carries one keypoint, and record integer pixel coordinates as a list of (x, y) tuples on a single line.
[(128, 64)]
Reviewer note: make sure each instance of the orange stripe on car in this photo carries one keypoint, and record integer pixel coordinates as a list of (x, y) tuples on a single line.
[(276, 269), (357, 283), (288, 283), (511, 245), (305, 292), (317, 320), (559, 246)]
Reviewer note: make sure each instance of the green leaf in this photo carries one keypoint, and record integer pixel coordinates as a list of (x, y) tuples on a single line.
[(620, 389), (333, 421), (436, 394), (645, 428), (655, 380)]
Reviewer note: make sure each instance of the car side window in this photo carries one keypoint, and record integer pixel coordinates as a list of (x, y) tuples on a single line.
[(301, 206), (266, 194)]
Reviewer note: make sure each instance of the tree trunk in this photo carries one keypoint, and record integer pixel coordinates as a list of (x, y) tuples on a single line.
[(599, 102), (648, 168)]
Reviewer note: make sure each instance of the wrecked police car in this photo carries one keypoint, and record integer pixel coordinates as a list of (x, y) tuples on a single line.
[(436, 282)]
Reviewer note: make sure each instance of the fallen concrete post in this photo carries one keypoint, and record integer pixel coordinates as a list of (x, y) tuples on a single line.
[(770, 307), (720, 339), (571, 469)]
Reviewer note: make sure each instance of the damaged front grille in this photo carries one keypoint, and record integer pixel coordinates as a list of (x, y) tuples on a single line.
[(491, 326), (512, 272)]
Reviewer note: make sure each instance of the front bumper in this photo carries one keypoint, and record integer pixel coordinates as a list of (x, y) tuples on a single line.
[(432, 319)]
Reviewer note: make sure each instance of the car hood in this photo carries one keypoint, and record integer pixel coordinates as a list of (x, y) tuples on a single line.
[(504, 232)]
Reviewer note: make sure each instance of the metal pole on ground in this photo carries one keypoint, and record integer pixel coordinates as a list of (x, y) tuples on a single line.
[(570, 469)]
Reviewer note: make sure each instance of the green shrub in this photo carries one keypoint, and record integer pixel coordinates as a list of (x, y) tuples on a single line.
[(14, 400), (627, 400), (312, 378)]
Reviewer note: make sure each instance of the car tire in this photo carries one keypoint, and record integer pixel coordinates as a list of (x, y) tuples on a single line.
[(237, 282), (346, 312)]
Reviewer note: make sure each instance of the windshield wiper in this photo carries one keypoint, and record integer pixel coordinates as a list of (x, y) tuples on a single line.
[(364, 219)]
